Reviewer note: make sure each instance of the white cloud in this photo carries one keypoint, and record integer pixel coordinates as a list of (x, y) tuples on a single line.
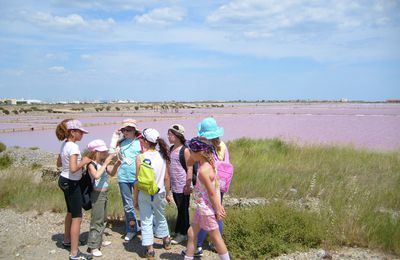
[(161, 16), (269, 16), (72, 20), (86, 57), (57, 69)]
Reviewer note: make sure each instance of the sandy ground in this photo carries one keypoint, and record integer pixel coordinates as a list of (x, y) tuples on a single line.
[(30, 235)]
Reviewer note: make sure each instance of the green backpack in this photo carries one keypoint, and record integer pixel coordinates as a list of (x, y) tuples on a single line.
[(147, 178)]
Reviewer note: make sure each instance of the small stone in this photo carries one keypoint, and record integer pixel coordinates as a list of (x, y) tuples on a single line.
[(52, 252)]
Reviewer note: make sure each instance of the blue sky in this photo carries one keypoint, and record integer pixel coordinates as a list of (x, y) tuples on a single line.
[(149, 50)]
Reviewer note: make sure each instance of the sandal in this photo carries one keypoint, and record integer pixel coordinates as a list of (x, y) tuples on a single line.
[(150, 255), (167, 243)]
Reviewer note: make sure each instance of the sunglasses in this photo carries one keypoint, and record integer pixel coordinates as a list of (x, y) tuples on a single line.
[(126, 130)]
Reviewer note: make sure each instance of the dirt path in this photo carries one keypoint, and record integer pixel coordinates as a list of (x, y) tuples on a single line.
[(30, 235)]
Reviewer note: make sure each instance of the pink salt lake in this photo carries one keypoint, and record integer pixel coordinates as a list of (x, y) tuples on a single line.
[(371, 126)]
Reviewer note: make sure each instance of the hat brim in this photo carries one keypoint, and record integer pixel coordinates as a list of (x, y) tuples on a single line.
[(102, 149), (130, 125), (214, 134), (82, 130)]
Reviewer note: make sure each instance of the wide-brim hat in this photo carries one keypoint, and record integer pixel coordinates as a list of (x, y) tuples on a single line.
[(129, 123), (209, 129)]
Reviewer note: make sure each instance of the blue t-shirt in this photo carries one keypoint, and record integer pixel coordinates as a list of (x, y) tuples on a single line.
[(129, 149), (102, 182)]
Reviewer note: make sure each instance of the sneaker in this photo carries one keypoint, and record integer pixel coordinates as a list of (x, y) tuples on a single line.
[(166, 243), (129, 236), (198, 253), (95, 252), (212, 247), (81, 256), (68, 244), (150, 254), (106, 243), (178, 239)]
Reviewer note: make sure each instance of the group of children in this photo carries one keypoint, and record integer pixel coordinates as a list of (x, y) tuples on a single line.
[(184, 168)]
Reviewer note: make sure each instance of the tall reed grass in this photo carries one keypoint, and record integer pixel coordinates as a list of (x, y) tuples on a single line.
[(327, 196), (355, 191)]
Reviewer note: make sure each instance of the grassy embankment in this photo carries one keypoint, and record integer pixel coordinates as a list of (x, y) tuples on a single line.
[(321, 196)]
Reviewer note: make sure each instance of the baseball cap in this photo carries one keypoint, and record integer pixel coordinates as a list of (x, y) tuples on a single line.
[(177, 128), (75, 125), (97, 145), (151, 135)]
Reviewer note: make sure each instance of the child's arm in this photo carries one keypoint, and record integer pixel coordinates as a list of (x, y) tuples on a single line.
[(135, 186), (167, 182), (73, 163), (189, 174), (205, 179), (112, 170), (96, 174), (59, 164)]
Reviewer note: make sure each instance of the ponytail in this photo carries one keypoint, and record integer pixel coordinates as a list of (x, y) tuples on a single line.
[(62, 131), (164, 151)]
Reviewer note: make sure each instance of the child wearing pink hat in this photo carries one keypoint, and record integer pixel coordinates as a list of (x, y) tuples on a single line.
[(99, 169)]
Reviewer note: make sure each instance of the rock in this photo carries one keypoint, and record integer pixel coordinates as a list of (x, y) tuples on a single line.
[(52, 252)]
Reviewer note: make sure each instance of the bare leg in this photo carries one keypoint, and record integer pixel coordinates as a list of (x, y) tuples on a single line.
[(67, 228), (219, 243), (192, 239), (75, 232)]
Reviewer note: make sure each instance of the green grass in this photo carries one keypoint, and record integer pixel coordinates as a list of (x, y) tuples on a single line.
[(355, 194), (357, 190), (5, 161), (264, 232), (3, 147)]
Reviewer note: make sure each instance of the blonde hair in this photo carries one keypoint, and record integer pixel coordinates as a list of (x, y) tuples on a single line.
[(216, 142), (92, 155), (62, 132), (208, 157)]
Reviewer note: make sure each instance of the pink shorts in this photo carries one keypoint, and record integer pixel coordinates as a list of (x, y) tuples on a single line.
[(206, 222)]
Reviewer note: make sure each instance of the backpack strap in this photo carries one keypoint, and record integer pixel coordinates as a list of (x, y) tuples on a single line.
[(226, 157), (182, 159)]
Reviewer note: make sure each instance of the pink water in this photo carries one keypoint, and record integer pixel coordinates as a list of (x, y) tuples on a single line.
[(372, 126)]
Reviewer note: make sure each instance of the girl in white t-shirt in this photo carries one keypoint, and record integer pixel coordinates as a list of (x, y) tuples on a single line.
[(70, 131)]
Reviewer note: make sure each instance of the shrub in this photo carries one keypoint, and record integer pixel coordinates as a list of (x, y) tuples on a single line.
[(263, 232), (5, 111), (3, 147), (5, 161), (36, 166)]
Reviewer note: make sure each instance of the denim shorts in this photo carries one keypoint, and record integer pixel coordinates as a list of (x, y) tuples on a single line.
[(72, 195)]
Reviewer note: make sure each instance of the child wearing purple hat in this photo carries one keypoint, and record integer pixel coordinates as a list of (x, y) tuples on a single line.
[(207, 199)]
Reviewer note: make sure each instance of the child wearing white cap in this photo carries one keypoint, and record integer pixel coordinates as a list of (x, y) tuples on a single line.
[(99, 169), (153, 206)]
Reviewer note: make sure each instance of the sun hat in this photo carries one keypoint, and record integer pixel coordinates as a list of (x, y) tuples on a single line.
[(177, 128), (197, 145), (129, 123), (97, 145), (75, 125), (209, 129), (151, 135)]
